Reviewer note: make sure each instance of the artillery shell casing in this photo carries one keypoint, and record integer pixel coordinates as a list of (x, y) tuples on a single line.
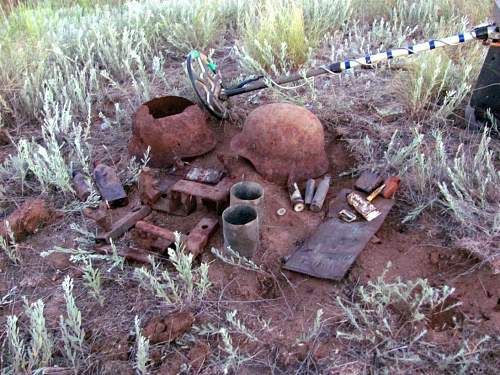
[(362, 206), (110, 187), (375, 193), (81, 186), (310, 185), (296, 197), (320, 195)]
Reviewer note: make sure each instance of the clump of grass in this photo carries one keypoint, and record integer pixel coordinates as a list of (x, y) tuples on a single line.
[(142, 350), (188, 283), (72, 331), (92, 280), (388, 320), (9, 245)]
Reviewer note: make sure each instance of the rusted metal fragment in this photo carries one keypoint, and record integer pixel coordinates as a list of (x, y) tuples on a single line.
[(155, 230), (133, 254), (167, 329), (185, 193), (368, 181), (205, 175), (173, 127), (99, 215), (333, 248), (125, 223), (81, 186), (283, 141), (391, 186), (33, 214), (149, 186), (164, 203), (110, 186), (198, 237)]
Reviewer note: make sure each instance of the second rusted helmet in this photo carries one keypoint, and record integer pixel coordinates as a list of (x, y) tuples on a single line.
[(283, 141), (174, 128)]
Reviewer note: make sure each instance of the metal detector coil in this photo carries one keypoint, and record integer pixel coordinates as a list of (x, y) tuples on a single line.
[(207, 83)]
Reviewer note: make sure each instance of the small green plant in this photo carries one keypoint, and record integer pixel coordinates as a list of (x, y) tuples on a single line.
[(233, 258), (71, 328), (185, 286), (9, 245), (239, 326), (92, 280), (41, 346), (142, 350), (316, 328), (16, 345)]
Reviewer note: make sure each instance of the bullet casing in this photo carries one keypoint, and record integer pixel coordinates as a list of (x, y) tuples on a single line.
[(310, 186), (296, 197), (320, 195)]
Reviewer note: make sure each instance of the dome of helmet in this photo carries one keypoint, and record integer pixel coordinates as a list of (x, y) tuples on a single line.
[(283, 141), (174, 128)]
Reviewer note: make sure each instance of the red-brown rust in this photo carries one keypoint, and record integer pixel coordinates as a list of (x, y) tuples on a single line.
[(283, 141), (391, 186), (173, 127), (198, 237), (154, 231)]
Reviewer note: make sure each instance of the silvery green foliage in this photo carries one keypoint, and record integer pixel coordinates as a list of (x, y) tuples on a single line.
[(9, 245), (41, 345), (142, 350), (185, 285), (71, 328)]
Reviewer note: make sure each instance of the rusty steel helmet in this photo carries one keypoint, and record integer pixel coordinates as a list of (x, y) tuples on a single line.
[(173, 127), (283, 142)]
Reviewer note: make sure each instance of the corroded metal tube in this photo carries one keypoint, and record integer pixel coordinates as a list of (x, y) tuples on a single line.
[(320, 195), (248, 192), (240, 227), (310, 186)]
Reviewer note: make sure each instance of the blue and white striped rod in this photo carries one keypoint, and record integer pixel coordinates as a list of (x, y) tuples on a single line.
[(481, 33), (478, 33)]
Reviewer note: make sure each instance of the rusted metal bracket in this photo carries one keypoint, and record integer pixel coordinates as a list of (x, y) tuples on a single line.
[(333, 248), (124, 224)]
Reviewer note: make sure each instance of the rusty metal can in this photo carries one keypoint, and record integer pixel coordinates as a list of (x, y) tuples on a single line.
[(362, 206)]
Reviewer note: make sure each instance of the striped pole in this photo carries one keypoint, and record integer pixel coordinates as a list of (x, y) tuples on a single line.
[(481, 33)]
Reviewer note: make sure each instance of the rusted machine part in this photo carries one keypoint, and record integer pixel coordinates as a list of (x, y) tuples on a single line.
[(375, 193), (173, 127), (368, 181), (391, 186), (99, 215), (320, 195), (155, 230), (283, 141), (362, 206), (81, 186), (248, 192), (110, 186), (136, 255), (198, 237), (205, 175), (240, 227), (148, 186), (296, 197), (186, 193), (310, 187), (125, 223), (335, 245)]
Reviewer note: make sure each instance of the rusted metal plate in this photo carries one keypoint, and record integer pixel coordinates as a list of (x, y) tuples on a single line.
[(198, 237), (333, 248), (110, 186), (205, 175), (214, 193), (368, 181), (125, 223)]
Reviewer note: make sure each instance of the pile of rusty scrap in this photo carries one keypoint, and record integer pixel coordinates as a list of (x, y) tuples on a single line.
[(353, 219), (285, 144)]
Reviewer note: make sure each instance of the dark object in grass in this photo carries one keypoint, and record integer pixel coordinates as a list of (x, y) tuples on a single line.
[(110, 186), (81, 186), (368, 181)]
